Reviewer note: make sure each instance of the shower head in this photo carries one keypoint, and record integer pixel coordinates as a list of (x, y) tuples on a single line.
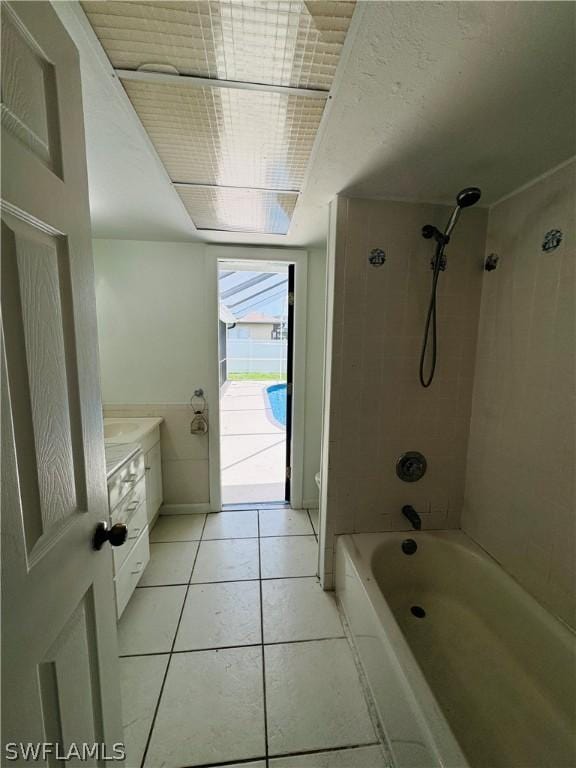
[(468, 197), (464, 199)]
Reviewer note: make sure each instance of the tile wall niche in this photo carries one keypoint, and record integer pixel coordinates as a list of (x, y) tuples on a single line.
[(520, 500), (375, 406), (185, 467)]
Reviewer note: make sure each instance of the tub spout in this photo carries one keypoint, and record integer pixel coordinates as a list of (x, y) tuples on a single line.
[(410, 514)]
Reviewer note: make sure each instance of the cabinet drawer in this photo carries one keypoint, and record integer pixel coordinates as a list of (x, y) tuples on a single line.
[(136, 525), (130, 503), (123, 481), (131, 571)]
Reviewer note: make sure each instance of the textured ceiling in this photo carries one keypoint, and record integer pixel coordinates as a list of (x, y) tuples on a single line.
[(228, 137)]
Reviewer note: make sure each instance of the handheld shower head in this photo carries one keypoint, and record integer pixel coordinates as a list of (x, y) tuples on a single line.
[(468, 197), (464, 199)]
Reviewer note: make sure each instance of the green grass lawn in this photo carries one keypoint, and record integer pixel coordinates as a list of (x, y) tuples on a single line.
[(256, 377)]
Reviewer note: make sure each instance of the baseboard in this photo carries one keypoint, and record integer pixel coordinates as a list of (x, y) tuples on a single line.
[(185, 509), (155, 517)]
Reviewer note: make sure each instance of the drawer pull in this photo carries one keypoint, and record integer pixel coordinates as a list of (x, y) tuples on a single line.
[(135, 533), (138, 568), (147, 469), (129, 478), (133, 505)]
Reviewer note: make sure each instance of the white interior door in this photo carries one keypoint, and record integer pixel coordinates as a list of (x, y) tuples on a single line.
[(59, 651)]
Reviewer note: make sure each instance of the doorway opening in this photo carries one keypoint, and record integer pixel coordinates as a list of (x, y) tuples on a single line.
[(256, 328)]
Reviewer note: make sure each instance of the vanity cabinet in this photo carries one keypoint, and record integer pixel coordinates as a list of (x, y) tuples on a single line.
[(134, 471), (128, 505), (153, 468)]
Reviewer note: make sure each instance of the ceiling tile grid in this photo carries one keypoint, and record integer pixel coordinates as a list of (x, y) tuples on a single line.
[(227, 136), (239, 210), (244, 136), (290, 42)]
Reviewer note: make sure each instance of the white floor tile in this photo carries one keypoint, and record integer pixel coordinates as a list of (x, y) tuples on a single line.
[(231, 525), (287, 556), (141, 681), (170, 563), (149, 621), (178, 528), (314, 516), (298, 609), (226, 560), (258, 764), (359, 757), (284, 522), (217, 615), (314, 698), (211, 709)]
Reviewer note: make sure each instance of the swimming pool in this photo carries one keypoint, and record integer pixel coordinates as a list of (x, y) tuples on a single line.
[(277, 399)]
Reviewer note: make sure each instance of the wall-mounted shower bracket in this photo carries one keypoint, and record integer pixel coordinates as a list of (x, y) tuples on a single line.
[(429, 231)]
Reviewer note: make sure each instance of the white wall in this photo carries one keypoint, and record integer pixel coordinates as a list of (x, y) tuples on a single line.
[(155, 350), (150, 320), (314, 372)]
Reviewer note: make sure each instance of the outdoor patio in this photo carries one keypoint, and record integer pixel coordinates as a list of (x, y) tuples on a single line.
[(253, 445)]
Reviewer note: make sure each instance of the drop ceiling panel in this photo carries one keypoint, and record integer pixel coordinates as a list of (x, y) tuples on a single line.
[(239, 210), (227, 136), (280, 43)]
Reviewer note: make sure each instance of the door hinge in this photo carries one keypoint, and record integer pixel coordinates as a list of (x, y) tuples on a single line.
[(290, 298), (288, 473), (289, 389)]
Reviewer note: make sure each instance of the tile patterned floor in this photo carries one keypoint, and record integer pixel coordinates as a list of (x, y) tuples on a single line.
[(232, 654)]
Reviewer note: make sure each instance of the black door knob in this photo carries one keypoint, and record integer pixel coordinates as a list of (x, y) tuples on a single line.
[(116, 535)]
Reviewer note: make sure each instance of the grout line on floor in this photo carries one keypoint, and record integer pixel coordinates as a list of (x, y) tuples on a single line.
[(153, 723), (231, 538), (230, 581), (282, 755), (176, 541), (312, 524), (231, 647), (243, 538), (262, 645)]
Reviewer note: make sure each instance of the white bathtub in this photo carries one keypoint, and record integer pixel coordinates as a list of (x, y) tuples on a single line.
[(486, 679)]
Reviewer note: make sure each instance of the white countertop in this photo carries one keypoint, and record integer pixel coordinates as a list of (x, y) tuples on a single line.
[(117, 454), (128, 430)]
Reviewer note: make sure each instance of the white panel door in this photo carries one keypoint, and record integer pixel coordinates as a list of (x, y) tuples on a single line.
[(59, 649)]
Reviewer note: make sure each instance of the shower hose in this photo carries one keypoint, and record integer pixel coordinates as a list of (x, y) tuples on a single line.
[(430, 328)]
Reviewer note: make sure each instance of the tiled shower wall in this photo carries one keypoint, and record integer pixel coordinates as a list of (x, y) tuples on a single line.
[(520, 496), (377, 408)]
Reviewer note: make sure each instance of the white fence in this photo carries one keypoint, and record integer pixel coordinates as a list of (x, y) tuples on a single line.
[(253, 356)]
